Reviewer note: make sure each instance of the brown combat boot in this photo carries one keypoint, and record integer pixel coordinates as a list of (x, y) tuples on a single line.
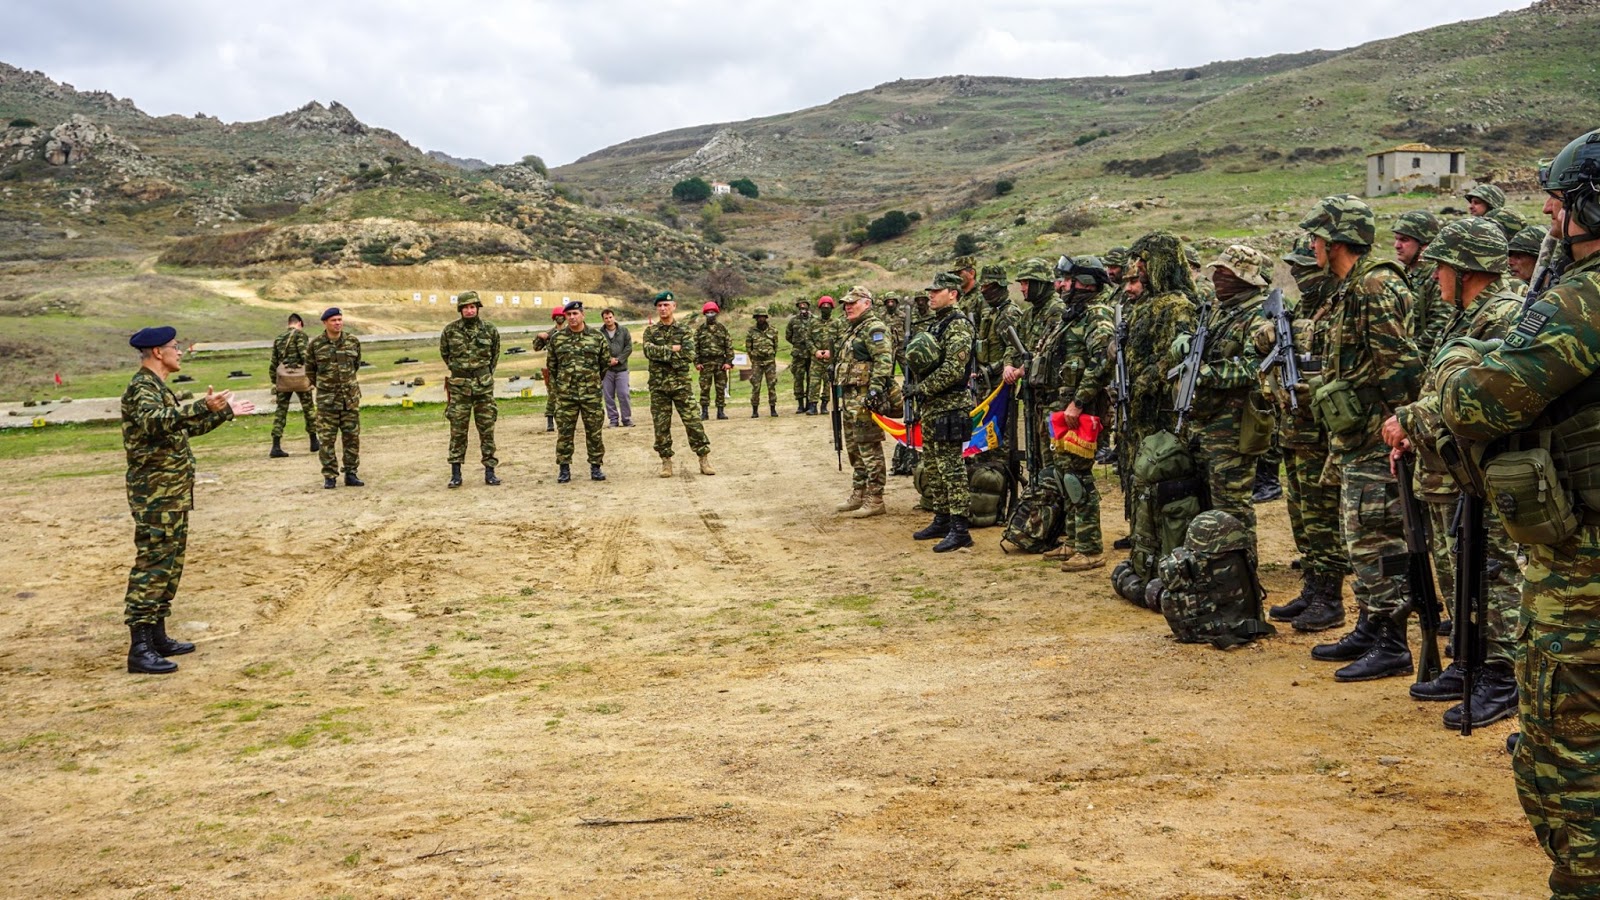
[(705, 465), (871, 504), (857, 496), (666, 467), (1060, 551), (1082, 562)]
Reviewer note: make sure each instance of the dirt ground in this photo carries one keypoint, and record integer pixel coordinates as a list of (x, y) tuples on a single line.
[(404, 691)]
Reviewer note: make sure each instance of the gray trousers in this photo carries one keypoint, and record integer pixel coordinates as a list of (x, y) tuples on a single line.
[(614, 387)]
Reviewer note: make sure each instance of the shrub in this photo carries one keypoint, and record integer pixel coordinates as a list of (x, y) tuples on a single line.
[(535, 163), (1003, 187), (746, 187), (1074, 220), (723, 284), (966, 245), (825, 244), (891, 224), (856, 236), (692, 190), (23, 123)]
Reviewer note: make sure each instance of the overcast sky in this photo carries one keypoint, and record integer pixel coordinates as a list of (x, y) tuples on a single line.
[(495, 79)]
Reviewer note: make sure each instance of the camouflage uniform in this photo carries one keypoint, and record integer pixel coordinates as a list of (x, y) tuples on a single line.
[(155, 434), (824, 334), (1039, 327), (552, 393), (1085, 370), (290, 349), (333, 366), (1154, 320), (579, 358), (761, 344), (863, 370), (797, 333), (714, 346), (994, 346), (1428, 312), (970, 302), (944, 396), (670, 387), (471, 350)]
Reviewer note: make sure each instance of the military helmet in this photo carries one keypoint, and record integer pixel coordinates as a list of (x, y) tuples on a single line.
[(923, 353), (1214, 533), (1492, 196), (802, 302), (1090, 267), (1509, 220), (468, 298), (1469, 245), (1529, 240), (1575, 172), (1035, 269), (760, 312), (1246, 263), (1342, 219), (1191, 256), (1300, 256), (1117, 256), (1064, 267), (889, 297), (992, 275), (1419, 225)]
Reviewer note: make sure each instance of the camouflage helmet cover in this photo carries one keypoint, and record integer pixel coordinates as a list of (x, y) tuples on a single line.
[(992, 275), (1036, 269), (1492, 196), (1469, 245), (922, 353), (1342, 219), (1246, 263), (1300, 256), (760, 312), (1529, 241), (964, 262), (1191, 255), (1419, 225), (1509, 220), (1214, 533), (468, 298), (1117, 256), (889, 296)]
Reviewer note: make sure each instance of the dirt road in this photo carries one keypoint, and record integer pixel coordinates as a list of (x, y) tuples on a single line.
[(404, 691)]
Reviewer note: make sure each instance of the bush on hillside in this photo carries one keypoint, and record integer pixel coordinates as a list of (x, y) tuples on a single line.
[(746, 187), (890, 225), (692, 190)]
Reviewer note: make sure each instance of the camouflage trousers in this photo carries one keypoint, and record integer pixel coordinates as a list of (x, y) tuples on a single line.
[(472, 400), (662, 402), (551, 400), (590, 407), (863, 441), (344, 424), (1081, 528), (763, 370), (820, 389), (159, 539), (799, 371), (281, 417), (1230, 475), (1314, 513), (1369, 508), (944, 478), (1502, 587), (713, 385)]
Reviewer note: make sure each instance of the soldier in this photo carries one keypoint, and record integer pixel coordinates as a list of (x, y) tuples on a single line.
[(1413, 232), (669, 346), (1038, 327), (578, 356), (714, 345), (1523, 255), (1116, 259), (333, 362), (797, 333), (905, 458), (971, 300), (824, 333), (993, 347), (894, 317), (1369, 369), (1470, 255), (939, 358), (155, 433), (1484, 198), (1542, 380), (761, 345), (1086, 332), (864, 371), (289, 349), (1508, 220), (470, 347), (619, 401), (1205, 292), (552, 397)]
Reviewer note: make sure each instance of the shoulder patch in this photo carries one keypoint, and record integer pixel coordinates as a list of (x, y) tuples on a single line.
[(877, 337), (1533, 321)]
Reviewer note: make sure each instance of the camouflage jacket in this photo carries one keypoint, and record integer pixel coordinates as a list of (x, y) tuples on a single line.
[(1086, 366), (289, 349), (333, 367), (826, 335), (797, 331), (155, 434), (1231, 363), (1490, 317), (1359, 336), (972, 304), (578, 358), (994, 347), (761, 343), (470, 348), (1153, 324), (713, 344), (1037, 326), (866, 356), (1429, 312), (944, 389), (669, 369)]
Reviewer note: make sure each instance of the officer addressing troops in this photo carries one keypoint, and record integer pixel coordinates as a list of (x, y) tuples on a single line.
[(578, 356), (714, 346), (669, 346), (939, 358), (333, 362), (761, 345), (155, 434), (797, 333), (864, 372), (470, 347), (288, 368)]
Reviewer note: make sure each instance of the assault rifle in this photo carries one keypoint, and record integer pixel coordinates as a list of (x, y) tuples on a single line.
[(1120, 386), (1030, 413), (1188, 371), (838, 426), (1414, 565), (1282, 354), (1470, 611)]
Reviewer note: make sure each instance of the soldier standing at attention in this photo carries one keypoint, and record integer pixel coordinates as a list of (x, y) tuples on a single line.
[(470, 347), (797, 333), (714, 345), (578, 356), (939, 358), (552, 396), (1085, 370), (290, 350), (1543, 379), (669, 346), (333, 362), (865, 373), (761, 343), (994, 344), (155, 434), (1413, 232), (824, 333)]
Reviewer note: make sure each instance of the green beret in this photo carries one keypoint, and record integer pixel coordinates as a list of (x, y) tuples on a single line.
[(665, 296)]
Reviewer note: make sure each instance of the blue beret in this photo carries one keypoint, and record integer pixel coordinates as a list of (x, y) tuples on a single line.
[(147, 338), (574, 306), (330, 312)]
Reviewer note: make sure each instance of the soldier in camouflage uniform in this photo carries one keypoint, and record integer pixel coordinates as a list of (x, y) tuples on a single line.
[(993, 345), (1413, 232), (1084, 372), (541, 341), (1039, 328), (579, 356), (1508, 220), (1116, 259), (470, 348), (155, 434), (714, 346), (798, 333), (290, 349), (1162, 305), (824, 334), (1205, 293), (1523, 255), (905, 458), (333, 363), (1369, 368), (970, 302), (1543, 377), (1483, 199), (1471, 258), (761, 345), (864, 371), (669, 347), (945, 406)]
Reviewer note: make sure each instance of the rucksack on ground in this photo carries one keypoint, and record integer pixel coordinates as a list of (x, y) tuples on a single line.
[(1038, 518), (1168, 492), (989, 485), (1208, 589)]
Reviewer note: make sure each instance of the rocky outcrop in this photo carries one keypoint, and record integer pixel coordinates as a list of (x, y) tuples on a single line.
[(727, 152), (335, 118)]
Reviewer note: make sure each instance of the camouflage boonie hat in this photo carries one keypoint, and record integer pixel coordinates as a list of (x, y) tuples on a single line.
[(923, 353), (1117, 256), (1191, 256), (760, 312), (1246, 263), (992, 275), (1300, 256), (1489, 194), (1509, 220), (1529, 241), (964, 262), (944, 281), (1419, 225), (1469, 245), (1035, 269), (468, 298), (1342, 219), (1214, 533)]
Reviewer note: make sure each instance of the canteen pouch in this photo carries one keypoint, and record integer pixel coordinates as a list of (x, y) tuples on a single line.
[(1337, 407), (1256, 425), (1533, 505), (291, 379)]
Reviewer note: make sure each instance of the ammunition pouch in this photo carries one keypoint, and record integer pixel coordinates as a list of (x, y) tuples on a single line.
[(953, 427), (853, 373), (1256, 425), (1340, 408)]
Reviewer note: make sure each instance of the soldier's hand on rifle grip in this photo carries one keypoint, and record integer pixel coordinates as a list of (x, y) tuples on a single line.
[(1010, 374)]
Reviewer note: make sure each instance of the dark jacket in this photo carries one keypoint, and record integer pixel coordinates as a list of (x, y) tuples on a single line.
[(621, 346)]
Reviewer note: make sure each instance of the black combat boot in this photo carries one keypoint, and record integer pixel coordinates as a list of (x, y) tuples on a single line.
[(722, 413), (799, 407), (315, 444), (455, 475), (957, 538), (1390, 655), (489, 477), (1123, 543), (755, 410), (938, 528), (566, 474), (330, 483), (277, 449), (773, 408), (1512, 740), (824, 406), (1494, 697), (1352, 646), (1267, 487), (1288, 611), (350, 479), (705, 413), (142, 656), (1446, 687), (549, 423), (166, 646), (595, 474), (1326, 609)]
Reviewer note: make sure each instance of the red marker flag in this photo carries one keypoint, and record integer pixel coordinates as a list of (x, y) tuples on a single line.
[(58, 379)]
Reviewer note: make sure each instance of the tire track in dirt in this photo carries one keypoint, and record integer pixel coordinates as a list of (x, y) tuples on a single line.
[(332, 592)]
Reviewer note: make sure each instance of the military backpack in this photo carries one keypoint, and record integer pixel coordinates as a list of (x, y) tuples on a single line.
[(1207, 588), (1038, 519), (1168, 492)]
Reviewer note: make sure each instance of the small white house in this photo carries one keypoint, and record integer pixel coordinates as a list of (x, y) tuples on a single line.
[(718, 188), (1411, 166)]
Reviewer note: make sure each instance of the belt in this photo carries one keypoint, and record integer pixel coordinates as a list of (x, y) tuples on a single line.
[(470, 373)]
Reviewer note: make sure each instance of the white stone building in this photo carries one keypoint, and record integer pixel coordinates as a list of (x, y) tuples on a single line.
[(1411, 166)]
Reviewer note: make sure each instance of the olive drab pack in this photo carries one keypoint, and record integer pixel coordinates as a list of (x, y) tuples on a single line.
[(1168, 492), (1207, 588), (988, 486), (1037, 520)]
